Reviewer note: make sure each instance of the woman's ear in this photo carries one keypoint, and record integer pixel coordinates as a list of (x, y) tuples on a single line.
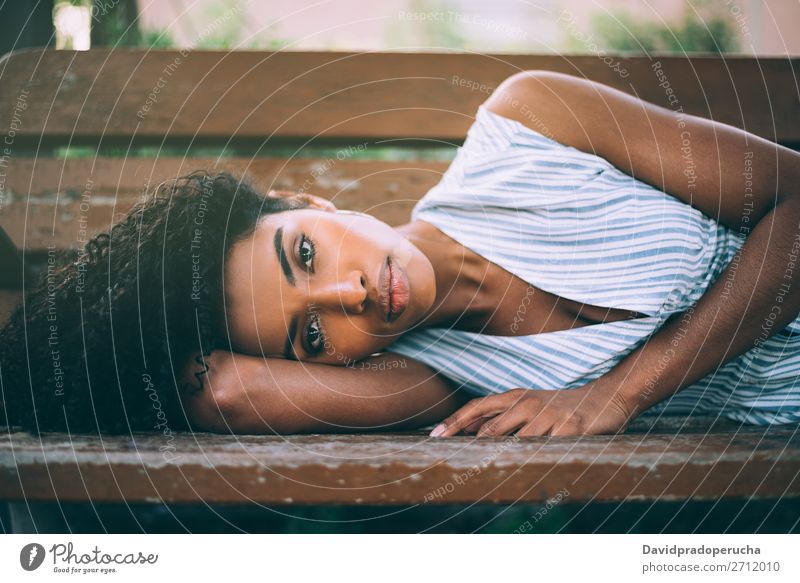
[(312, 200)]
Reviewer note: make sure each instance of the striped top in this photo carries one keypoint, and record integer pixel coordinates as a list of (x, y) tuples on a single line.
[(572, 224)]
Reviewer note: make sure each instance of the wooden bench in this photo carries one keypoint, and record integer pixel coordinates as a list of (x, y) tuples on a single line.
[(325, 122)]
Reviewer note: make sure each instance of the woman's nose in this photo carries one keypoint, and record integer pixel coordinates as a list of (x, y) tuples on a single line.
[(349, 293)]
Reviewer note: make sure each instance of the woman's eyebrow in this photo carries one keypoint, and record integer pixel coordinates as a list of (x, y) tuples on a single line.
[(282, 259)]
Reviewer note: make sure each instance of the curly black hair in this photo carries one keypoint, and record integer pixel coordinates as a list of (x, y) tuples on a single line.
[(100, 343)]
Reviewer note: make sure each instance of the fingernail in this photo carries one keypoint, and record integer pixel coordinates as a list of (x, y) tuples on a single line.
[(437, 431)]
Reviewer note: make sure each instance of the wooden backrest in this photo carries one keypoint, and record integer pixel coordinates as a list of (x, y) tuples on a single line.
[(168, 105), (130, 96)]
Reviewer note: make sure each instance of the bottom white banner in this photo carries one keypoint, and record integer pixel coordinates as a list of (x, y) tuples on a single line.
[(353, 558)]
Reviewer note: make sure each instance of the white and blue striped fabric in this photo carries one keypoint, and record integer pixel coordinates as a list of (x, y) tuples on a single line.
[(572, 224)]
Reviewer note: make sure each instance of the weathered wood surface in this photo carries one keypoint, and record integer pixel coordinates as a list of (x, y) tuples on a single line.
[(60, 202), (407, 468), (128, 96)]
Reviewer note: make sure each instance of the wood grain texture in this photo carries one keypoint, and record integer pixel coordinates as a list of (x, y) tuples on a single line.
[(130, 96), (61, 202), (400, 468)]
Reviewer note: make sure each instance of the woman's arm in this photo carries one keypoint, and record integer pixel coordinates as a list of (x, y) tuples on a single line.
[(745, 182), (248, 394), (699, 161)]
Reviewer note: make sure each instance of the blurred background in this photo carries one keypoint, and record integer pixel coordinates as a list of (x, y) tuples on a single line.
[(753, 27)]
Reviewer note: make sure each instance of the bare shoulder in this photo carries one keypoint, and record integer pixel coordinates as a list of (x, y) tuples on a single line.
[(517, 91), (557, 105), (648, 141)]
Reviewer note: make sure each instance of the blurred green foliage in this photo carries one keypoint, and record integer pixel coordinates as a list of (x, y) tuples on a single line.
[(375, 152), (116, 23), (710, 30), (431, 32)]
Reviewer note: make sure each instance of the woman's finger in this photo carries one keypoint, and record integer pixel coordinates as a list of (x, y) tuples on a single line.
[(566, 427), (505, 423), (476, 425), (471, 412), (537, 427)]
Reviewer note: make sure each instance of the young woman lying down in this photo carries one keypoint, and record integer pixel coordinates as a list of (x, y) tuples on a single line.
[(586, 258)]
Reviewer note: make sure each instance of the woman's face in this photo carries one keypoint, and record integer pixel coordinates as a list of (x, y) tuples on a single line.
[(317, 285)]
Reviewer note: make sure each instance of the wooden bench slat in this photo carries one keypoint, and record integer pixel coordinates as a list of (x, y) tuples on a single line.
[(100, 95), (61, 202), (400, 468)]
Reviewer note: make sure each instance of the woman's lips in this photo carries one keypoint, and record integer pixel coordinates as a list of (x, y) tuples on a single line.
[(395, 292), (399, 296)]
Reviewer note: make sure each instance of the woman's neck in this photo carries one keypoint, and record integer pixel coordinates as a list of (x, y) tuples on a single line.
[(460, 276)]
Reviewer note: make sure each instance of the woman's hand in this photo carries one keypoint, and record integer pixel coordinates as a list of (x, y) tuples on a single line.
[(590, 409)]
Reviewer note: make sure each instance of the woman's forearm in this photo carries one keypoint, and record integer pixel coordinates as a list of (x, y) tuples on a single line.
[(248, 394), (756, 296)]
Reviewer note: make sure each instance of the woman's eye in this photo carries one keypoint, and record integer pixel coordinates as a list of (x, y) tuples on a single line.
[(314, 338), (306, 252)]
